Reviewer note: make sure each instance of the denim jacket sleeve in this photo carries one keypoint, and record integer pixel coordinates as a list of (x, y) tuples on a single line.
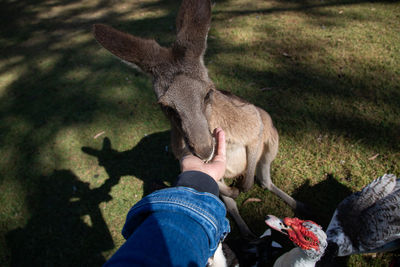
[(180, 225)]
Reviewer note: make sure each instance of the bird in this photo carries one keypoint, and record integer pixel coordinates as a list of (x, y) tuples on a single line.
[(367, 221), (309, 237)]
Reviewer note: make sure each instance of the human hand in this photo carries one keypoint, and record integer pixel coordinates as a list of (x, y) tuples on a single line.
[(216, 167)]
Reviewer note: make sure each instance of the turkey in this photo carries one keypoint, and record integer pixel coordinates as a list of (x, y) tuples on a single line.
[(367, 221), (309, 237)]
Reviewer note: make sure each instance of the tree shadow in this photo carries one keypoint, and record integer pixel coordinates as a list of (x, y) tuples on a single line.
[(66, 228), (308, 6), (325, 95), (150, 161), (56, 219)]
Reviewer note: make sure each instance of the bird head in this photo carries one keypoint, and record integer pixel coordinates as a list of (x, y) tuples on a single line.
[(306, 234)]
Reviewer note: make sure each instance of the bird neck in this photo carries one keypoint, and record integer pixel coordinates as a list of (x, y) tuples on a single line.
[(295, 258)]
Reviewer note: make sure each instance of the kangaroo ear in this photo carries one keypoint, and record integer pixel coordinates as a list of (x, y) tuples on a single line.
[(147, 54), (192, 23), (97, 153)]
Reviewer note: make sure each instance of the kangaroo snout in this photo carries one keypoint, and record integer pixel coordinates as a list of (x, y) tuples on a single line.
[(202, 146)]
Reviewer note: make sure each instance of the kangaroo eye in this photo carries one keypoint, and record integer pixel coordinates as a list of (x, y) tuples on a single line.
[(207, 97)]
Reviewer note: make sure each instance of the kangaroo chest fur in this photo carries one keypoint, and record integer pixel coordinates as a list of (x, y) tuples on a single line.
[(236, 160), (243, 127)]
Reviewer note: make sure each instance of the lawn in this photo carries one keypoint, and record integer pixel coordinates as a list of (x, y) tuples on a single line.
[(82, 138)]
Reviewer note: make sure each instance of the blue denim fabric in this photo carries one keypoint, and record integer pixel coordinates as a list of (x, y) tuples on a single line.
[(172, 227)]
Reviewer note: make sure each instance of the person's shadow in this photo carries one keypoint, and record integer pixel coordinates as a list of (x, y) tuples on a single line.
[(66, 227), (150, 160), (324, 204)]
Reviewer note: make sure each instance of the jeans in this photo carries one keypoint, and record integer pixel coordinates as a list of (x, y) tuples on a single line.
[(172, 227)]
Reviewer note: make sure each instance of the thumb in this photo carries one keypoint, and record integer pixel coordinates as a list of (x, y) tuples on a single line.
[(221, 145)]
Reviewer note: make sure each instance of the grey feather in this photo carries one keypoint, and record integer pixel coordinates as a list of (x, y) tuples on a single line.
[(377, 189), (369, 219), (382, 222)]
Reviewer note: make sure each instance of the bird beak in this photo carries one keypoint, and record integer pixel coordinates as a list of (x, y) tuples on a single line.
[(277, 224)]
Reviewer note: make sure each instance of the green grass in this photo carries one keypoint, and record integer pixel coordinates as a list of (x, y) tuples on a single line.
[(328, 72)]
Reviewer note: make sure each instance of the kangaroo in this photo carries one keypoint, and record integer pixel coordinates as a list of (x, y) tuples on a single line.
[(195, 107)]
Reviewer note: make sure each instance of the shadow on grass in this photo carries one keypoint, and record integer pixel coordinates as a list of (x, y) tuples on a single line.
[(304, 97), (325, 196), (149, 160), (66, 227), (300, 5)]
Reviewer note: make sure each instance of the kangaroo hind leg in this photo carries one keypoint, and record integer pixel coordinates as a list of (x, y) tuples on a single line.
[(264, 175), (233, 211)]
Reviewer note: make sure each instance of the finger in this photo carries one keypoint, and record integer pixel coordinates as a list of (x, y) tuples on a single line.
[(221, 145)]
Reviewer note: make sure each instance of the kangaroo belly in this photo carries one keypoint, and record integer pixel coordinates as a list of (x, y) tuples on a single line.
[(235, 160)]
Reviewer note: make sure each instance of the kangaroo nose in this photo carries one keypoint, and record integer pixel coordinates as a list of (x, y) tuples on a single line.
[(204, 150), (211, 155), (206, 153)]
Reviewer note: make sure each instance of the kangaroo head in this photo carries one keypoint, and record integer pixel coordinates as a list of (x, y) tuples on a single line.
[(180, 79)]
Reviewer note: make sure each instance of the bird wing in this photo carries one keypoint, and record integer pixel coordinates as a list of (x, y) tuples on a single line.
[(377, 189), (381, 222), (355, 211)]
